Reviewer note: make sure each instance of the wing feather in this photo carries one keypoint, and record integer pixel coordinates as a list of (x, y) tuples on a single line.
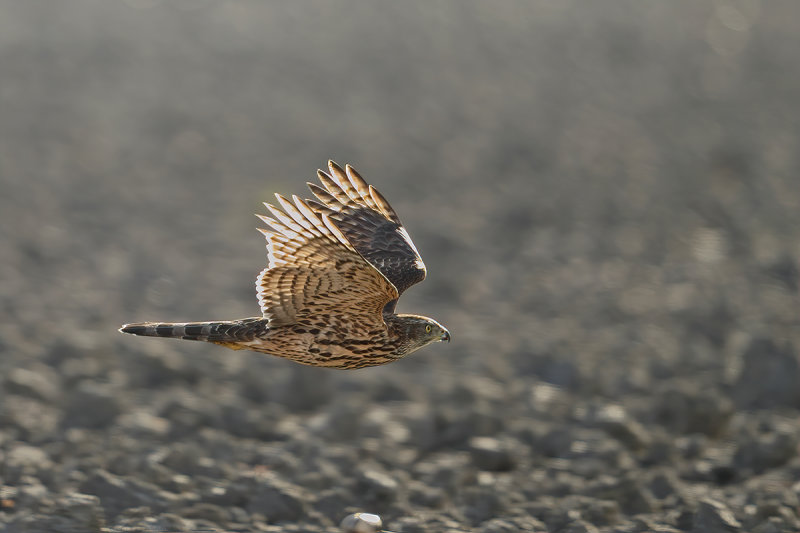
[(362, 187), (343, 181), (284, 224), (384, 206), (333, 188), (330, 202), (314, 273)]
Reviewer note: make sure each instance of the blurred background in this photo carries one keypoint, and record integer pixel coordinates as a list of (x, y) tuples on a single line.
[(605, 195)]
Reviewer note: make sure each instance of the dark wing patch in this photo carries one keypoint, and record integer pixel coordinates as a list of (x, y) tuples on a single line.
[(369, 223)]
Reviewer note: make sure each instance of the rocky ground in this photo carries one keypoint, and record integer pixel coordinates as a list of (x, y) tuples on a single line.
[(606, 196)]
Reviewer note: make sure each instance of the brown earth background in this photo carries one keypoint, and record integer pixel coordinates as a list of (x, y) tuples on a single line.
[(606, 196)]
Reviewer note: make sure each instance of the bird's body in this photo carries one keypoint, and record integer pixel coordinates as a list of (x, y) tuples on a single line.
[(336, 269)]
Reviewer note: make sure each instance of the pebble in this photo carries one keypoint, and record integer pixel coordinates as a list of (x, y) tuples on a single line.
[(377, 487), (616, 422), (713, 516), (144, 424), (361, 523), (491, 454)]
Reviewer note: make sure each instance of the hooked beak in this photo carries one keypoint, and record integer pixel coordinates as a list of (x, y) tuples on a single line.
[(446, 336)]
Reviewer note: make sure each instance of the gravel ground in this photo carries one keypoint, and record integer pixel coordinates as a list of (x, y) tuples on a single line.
[(606, 196)]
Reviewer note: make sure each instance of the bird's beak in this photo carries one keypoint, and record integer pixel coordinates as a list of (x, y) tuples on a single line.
[(446, 336)]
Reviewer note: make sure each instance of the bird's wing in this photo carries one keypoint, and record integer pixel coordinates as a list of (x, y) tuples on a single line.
[(315, 273), (369, 223)]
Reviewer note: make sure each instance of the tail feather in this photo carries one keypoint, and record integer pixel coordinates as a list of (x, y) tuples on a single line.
[(229, 331)]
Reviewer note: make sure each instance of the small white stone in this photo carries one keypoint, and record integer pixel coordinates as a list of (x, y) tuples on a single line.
[(361, 523)]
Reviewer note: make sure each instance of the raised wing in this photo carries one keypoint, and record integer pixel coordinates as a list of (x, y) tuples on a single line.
[(315, 273), (369, 223)]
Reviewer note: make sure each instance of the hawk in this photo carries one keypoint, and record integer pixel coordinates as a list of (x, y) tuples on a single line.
[(336, 267)]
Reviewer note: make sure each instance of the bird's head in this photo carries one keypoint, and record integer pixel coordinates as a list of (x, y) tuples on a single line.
[(417, 331)]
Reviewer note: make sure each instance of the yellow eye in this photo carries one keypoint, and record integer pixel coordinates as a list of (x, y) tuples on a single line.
[(428, 328)]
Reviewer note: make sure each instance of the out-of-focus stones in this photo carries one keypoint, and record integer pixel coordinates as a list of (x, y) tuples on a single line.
[(187, 412), (616, 422), (157, 366), (425, 522), (185, 458), (688, 409), (23, 460), (331, 502), (206, 511), (579, 526), (714, 517), (497, 525), (763, 450), (482, 502), (42, 383), (92, 405), (307, 388), (144, 424), (491, 454), (377, 487), (73, 513), (556, 370), (29, 493), (426, 495), (512, 525), (769, 376), (629, 492), (664, 484), (278, 499), (118, 494), (644, 524), (341, 420), (446, 471), (31, 420)]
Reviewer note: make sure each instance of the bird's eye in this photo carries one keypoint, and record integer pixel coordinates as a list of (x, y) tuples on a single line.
[(428, 328)]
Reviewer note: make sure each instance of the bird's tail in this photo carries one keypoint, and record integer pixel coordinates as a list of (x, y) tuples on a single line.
[(221, 332)]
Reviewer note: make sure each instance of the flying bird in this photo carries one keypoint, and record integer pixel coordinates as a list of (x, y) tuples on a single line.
[(336, 266)]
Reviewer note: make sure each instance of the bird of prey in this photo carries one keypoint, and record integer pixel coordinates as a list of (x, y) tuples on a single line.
[(336, 267)]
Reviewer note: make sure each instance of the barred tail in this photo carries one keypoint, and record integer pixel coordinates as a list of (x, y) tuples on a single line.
[(230, 331)]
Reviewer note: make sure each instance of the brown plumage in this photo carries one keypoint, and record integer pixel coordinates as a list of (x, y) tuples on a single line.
[(336, 268)]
